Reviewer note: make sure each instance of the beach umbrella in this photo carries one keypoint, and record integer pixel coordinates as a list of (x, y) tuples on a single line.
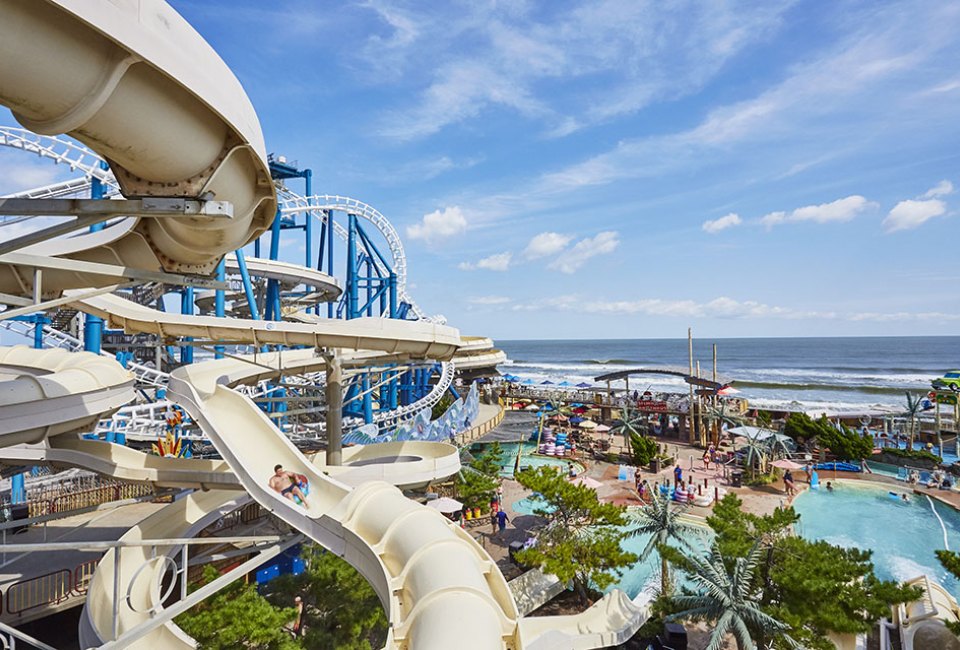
[(528, 382), (576, 419), (727, 390), (584, 384), (445, 505), (785, 463), (565, 384), (602, 428), (531, 407), (546, 382), (582, 479), (588, 424)]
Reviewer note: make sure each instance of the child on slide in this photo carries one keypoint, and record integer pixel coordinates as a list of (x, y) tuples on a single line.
[(288, 484)]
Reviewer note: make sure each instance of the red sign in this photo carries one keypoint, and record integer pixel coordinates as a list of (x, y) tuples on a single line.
[(649, 406)]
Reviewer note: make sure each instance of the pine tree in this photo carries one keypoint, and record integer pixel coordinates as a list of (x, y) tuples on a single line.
[(581, 541), (237, 617), (341, 609)]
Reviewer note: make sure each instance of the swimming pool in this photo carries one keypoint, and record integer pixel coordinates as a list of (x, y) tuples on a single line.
[(903, 536), (527, 457), (636, 578)]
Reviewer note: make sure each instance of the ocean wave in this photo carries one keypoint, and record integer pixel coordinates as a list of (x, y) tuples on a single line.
[(799, 387)]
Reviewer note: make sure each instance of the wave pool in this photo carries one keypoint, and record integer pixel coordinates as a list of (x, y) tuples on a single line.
[(902, 535)]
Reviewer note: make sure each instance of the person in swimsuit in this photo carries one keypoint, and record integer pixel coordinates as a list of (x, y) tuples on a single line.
[(285, 483)]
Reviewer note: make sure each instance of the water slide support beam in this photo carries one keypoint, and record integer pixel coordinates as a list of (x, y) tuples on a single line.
[(334, 395)]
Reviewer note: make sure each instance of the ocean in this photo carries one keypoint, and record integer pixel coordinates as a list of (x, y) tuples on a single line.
[(850, 374)]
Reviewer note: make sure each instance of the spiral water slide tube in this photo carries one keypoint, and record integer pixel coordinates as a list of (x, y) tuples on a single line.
[(50, 392), (137, 84)]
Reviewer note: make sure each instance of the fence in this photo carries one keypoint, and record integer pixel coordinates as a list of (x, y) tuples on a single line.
[(48, 589), (91, 491)]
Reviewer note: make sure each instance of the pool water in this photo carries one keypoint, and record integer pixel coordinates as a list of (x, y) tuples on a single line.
[(642, 576), (903, 536), (527, 458)]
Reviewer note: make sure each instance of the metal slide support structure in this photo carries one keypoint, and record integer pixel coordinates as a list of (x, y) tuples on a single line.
[(247, 285), (280, 169), (93, 325), (219, 308), (186, 308), (334, 396)]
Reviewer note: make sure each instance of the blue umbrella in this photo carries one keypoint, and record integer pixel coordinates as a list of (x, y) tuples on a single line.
[(576, 419), (546, 382), (584, 384), (527, 382), (564, 383)]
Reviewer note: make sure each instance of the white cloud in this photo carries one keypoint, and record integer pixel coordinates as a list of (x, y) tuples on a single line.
[(943, 188), (439, 225), (722, 307), (496, 262), (714, 226), (571, 261), (546, 243), (488, 300), (836, 211), (535, 62), (910, 214)]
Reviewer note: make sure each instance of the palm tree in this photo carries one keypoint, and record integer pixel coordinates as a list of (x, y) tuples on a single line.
[(730, 600), (663, 522), (717, 416), (914, 406)]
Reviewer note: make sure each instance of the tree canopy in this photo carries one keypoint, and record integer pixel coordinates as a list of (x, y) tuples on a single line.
[(237, 617), (341, 610), (478, 481), (843, 442), (581, 541), (811, 586)]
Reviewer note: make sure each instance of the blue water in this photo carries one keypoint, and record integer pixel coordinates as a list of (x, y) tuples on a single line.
[(829, 373), (902, 536), (641, 576), (527, 458)]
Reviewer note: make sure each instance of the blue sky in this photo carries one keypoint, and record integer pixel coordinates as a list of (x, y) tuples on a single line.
[(616, 169)]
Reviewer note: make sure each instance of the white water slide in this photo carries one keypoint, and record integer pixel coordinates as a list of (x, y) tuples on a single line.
[(133, 81)]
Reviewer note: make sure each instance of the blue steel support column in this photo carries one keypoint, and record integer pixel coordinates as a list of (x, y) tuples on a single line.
[(367, 399), (393, 294), (220, 303), (368, 270), (38, 332), (247, 286), (93, 325), (329, 234), (186, 307), (392, 391), (273, 286), (308, 181), (352, 269)]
